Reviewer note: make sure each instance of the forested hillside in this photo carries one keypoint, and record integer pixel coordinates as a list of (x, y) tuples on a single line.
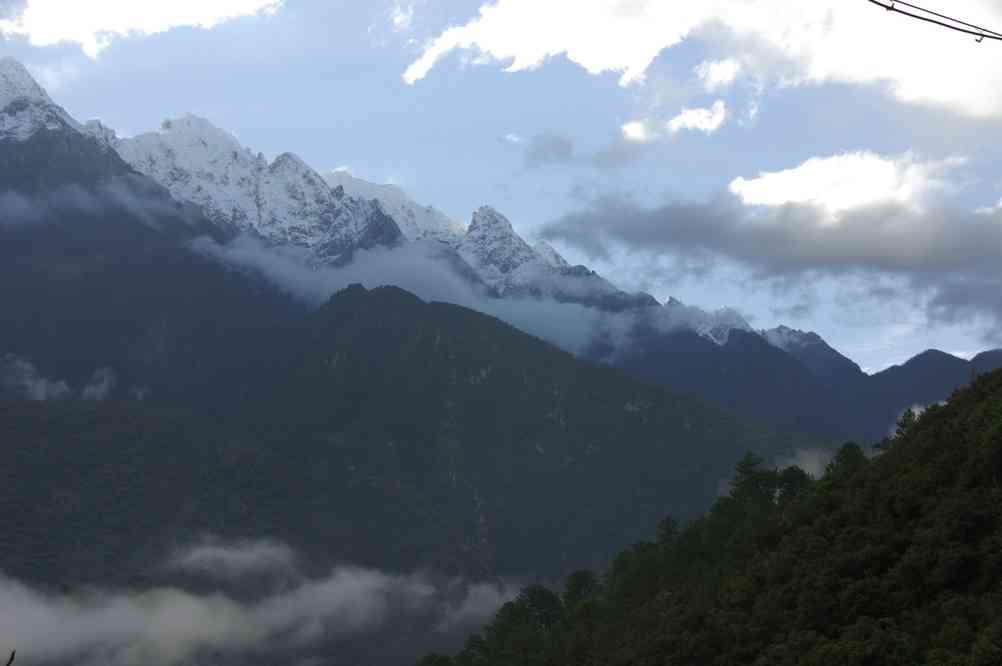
[(886, 560)]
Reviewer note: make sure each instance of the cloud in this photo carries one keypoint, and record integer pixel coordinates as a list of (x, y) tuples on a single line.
[(638, 131), (401, 16), (131, 193), (548, 149), (858, 215), (426, 270), (718, 74), (812, 461), (703, 120), (851, 180), (221, 560), (644, 131), (95, 24), (20, 378), (167, 625), (782, 42), (101, 385)]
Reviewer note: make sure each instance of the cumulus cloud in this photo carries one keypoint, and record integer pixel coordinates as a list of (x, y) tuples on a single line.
[(718, 74), (785, 42), (707, 121), (827, 218), (851, 180), (95, 24)]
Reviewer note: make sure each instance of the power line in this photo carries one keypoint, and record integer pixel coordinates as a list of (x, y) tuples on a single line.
[(936, 18)]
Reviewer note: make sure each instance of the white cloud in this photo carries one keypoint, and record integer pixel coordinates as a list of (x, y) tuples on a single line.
[(164, 626), (402, 16), (235, 560), (638, 131), (718, 74), (851, 180), (703, 120), (514, 138), (94, 24), (789, 42)]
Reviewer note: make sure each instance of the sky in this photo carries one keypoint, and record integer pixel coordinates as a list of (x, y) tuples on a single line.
[(827, 165)]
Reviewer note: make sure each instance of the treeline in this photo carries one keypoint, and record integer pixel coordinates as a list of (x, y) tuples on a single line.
[(893, 559)]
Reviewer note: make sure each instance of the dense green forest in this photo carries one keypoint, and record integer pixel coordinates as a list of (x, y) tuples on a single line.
[(887, 559)]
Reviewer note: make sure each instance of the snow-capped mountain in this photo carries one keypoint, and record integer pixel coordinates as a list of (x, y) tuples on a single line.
[(812, 350), (25, 108), (283, 202), (415, 221), (286, 202), (715, 325)]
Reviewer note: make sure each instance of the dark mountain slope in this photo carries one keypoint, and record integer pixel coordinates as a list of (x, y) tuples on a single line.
[(391, 433), (746, 374), (891, 561), (439, 395)]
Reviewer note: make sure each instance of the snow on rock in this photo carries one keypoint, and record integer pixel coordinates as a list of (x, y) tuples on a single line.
[(546, 252), (790, 339), (494, 250), (715, 326), (25, 107), (415, 221), (284, 201)]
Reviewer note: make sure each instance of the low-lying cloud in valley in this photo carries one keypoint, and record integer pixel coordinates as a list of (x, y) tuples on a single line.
[(170, 625), (422, 269)]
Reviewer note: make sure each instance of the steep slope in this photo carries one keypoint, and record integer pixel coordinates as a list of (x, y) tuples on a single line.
[(95, 269), (426, 434), (436, 391), (745, 374), (809, 348), (886, 561)]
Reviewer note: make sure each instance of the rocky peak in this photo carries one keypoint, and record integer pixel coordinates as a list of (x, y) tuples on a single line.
[(17, 84)]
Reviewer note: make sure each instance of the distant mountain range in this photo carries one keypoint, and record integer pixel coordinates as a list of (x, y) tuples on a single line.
[(190, 178)]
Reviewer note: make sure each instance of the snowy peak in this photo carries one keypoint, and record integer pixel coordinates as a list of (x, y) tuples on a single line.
[(493, 249), (25, 107), (549, 255), (415, 221), (715, 326), (16, 83), (789, 339), (283, 202)]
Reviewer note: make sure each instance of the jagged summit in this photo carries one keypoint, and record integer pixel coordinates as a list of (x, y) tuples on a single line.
[(715, 326), (415, 220), (284, 202), (16, 83), (25, 107)]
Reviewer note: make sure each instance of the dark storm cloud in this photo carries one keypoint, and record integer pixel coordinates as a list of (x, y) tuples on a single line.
[(549, 148), (951, 256)]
